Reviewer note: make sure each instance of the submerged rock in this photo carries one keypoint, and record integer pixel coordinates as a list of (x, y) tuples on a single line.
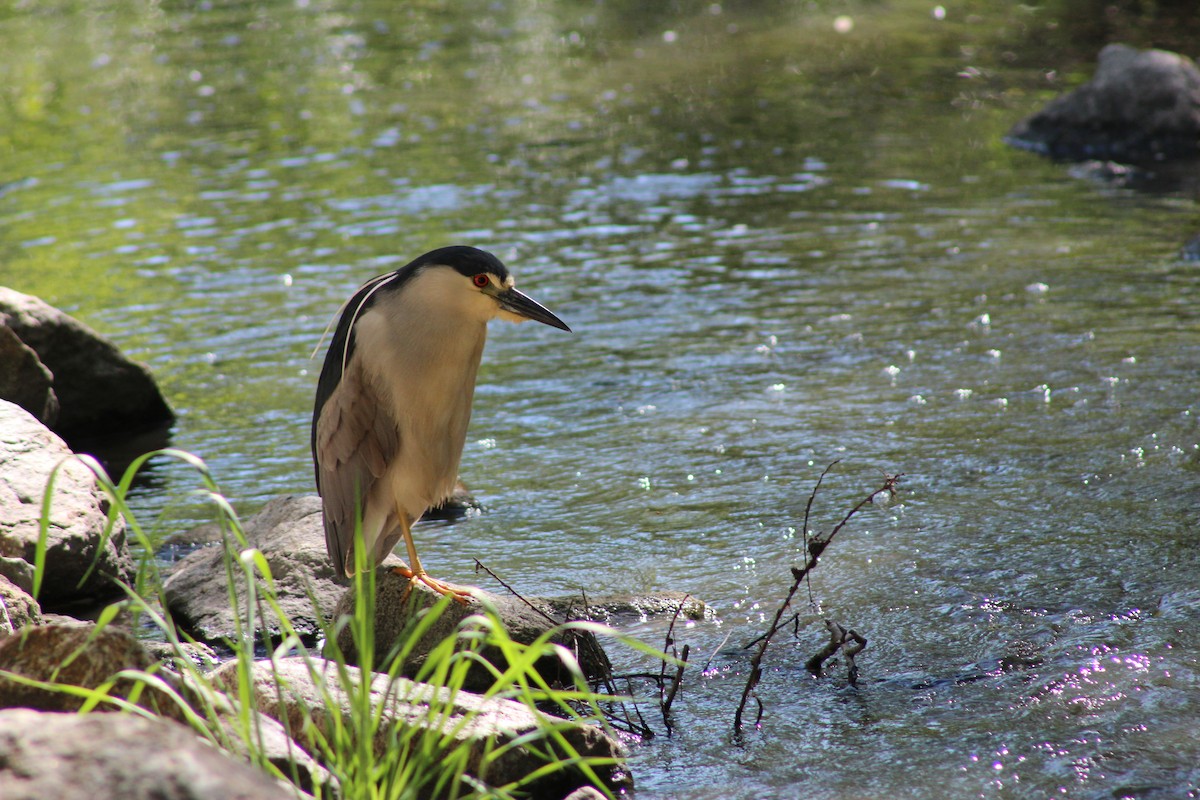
[(613, 608), (1141, 105), (81, 563), (100, 392)]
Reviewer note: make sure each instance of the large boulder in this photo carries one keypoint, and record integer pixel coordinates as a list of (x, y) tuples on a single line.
[(306, 696), (1141, 105), (81, 562), (100, 392), (291, 536), (289, 533), (117, 757)]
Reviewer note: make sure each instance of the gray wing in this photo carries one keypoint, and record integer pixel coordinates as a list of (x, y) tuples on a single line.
[(354, 441)]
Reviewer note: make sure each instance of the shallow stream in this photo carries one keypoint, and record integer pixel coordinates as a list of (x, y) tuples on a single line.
[(785, 234)]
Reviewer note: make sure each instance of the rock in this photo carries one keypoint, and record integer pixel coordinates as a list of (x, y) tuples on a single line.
[(76, 546), (17, 608), (79, 655), (399, 603), (116, 757), (1140, 106), (197, 655), (99, 390), (460, 504), (607, 608), (89, 657), (586, 793), (24, 379), (305, 699), (18, 571), (289, 532)]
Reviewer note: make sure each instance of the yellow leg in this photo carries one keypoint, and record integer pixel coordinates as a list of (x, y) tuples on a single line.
[(416, 573)]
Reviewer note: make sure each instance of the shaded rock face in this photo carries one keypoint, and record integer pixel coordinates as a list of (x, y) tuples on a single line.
[(116, 757), (400, 603), (75, 654), (1140, 106), (29, 454), (24, 379), (99, 391), (17, 608), (290, 534)]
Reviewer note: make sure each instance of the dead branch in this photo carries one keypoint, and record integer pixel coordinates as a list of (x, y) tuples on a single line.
[(814, 547), (849, 641), (607, 679), (667, 697)]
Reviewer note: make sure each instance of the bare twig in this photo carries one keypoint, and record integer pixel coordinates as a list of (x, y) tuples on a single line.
[(850, 651), (607, 679), (479, 565), (814, 546), (667, 696), (716, 650), (837, 637)]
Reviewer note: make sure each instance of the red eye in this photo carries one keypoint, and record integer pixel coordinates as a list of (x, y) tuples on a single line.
[(481, 280)]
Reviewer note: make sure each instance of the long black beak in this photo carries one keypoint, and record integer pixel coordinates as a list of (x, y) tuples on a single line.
[(525, 306)]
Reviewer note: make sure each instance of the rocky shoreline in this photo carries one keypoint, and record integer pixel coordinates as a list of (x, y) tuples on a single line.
[(87, 559)]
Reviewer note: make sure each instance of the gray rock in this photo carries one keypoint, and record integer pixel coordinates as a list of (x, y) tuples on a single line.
[(118, 757), (289, 532), (399, 604), (83, 655), (24, 379), (75, 545), (614, 608), (1140, 106), (99, 390), (17, 608), (185, 655), (305, 698)]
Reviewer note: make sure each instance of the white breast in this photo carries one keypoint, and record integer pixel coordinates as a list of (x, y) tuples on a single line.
[(423, 354)]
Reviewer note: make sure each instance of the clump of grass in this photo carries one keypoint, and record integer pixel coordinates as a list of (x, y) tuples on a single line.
[(367, 754)]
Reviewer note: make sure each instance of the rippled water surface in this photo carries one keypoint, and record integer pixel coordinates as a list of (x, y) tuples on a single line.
[(779, 246)]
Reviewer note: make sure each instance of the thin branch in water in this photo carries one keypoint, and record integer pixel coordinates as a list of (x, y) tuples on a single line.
[(713, 655), (849, 641), (812, 496), (814, 546), (667, 697), (676, 683), (858, 643)]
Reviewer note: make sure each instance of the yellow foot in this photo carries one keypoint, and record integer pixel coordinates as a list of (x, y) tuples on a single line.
[(441, 587)]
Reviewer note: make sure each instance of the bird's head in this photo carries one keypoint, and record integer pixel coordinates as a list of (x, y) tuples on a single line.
[(481, 282)]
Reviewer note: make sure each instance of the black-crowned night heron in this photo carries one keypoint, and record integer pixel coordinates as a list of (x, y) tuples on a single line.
[(394, 398)]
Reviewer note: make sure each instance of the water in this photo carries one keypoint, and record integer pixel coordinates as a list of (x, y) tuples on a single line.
[(779, 246)]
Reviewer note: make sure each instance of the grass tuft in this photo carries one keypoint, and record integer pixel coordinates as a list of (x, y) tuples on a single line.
[(352, 724)]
